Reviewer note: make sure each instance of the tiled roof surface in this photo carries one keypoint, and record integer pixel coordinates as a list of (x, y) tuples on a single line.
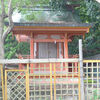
[(57, 24)]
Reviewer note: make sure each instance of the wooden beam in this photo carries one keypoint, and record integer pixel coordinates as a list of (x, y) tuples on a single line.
[(44, 29), (62, 34), (51, 28), (25, 61), (48, 40), (51, 40)]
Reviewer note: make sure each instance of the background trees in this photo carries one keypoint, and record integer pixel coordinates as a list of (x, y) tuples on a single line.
[(86, 11), (7, 7), (89, 12)]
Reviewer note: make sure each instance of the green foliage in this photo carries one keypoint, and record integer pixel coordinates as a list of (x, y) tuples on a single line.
[(73, 46), (89, 81), (36, 16), (28, 6), (10, 47), (95, 95), (23, 48), (13, 48), (61, 4), (64, 13), (89, 12)]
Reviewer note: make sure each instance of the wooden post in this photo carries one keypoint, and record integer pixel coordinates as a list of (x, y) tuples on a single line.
[(54, 81), (51, 81), (62, 49), (66, 46), (76, 64), (27, 83), (66, 52), (58, 50), (31, 53), (81, 70), (31, 49)]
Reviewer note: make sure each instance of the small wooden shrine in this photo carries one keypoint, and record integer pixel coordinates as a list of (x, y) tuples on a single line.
[(48, 40)]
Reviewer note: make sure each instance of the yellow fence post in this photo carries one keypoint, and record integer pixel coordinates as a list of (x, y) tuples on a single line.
[(51, 81), (79, 82), (5, 85), (2, 80), (27, 82), (54, 81)]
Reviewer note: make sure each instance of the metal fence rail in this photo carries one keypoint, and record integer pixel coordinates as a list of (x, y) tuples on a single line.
[(92, 79)]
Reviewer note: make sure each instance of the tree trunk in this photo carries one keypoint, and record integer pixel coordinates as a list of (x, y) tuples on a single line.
[(1, 41), (1, 49), (3, 33)]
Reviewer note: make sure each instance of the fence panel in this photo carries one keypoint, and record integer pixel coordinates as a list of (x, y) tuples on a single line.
[(40, 81), (54, 81), (66, 81), (92, 79), (57, 80), (15, 85), (1, 83)]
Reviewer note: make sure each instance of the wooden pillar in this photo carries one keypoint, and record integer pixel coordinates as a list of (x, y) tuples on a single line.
[(58, 50), (66, 46), (20, 66), (32, 48), (37, 50), (62, 49), (76, 64), (66, 52), (31, 52)]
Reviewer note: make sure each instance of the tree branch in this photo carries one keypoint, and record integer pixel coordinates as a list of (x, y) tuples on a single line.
[(3, 13), (10, 20)]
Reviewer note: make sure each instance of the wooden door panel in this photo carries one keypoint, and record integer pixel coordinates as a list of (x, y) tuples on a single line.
[(43, 50)]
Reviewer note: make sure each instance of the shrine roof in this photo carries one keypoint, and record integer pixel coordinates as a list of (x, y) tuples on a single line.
[(57, 24), (21, 29), (51, 28)]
